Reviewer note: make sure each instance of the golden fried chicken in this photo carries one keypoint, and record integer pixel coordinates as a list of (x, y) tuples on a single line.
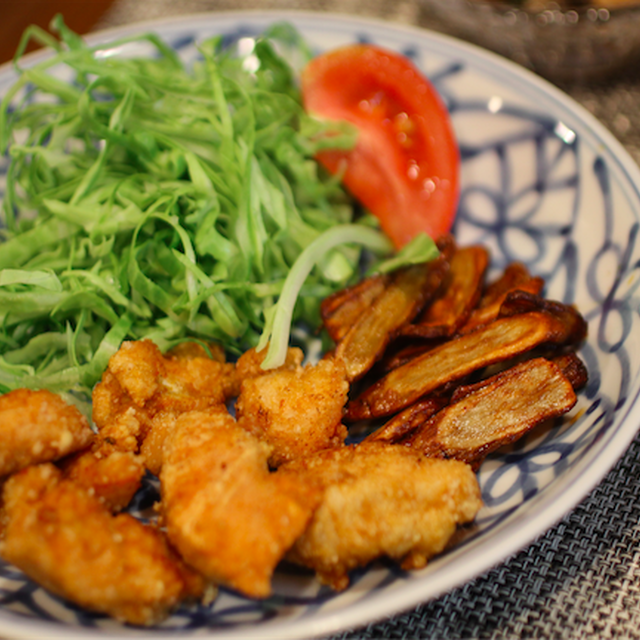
[(38, 426), (225, 513), (152, 448), (143, 391), (380, 500), (112, 476), (179, 381), (296, 411), (249, 364), (65, 538)]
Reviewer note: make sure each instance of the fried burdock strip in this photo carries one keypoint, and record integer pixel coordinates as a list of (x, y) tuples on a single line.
[(483, 417), (573, 369), (380, 500), (341, 310), (38, 426), (499, 341), (226, 514), (409, 420), (407, 292), (65, 539), (515, 277), (461, 291), (296, 411), (403, 425)]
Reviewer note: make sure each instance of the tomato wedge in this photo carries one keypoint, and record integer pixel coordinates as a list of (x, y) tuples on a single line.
[(404, 167)]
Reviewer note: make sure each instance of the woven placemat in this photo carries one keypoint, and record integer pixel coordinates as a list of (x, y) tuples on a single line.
[(582, 578)]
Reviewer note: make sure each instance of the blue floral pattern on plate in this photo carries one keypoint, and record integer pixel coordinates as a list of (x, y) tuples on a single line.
[(542, 183)]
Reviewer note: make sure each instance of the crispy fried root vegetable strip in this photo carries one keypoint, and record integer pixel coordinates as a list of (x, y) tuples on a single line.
[(225, 513), (297, 412), (403, 424), (380, 500), (66, 539), (497, 342), (405, 295), (515, 277), (517, 302), (495, 412), (341, 310), (573, 368), (460, 293), (38, 426)]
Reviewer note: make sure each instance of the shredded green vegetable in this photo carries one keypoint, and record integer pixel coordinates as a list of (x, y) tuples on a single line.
[(150, 199)]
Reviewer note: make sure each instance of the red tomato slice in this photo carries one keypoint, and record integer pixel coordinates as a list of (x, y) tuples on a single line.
[(404, 167)]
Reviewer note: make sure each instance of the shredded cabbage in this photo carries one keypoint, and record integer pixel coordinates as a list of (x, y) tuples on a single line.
[(150, 199)]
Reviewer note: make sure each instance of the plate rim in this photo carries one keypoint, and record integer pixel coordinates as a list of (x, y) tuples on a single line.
[(577, 482)]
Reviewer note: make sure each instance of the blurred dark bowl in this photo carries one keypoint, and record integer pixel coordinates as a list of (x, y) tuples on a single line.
[(563, 43)]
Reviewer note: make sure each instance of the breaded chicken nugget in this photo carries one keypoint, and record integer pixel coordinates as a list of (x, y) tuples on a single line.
[(152, 448), (380, 500), (143, 391), (225, 513), (249, 364), (137, 366), (112, 476), (66, 540), (296, 411), (38, 426)]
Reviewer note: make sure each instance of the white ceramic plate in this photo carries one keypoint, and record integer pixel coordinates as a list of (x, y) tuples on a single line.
[(543, 183)]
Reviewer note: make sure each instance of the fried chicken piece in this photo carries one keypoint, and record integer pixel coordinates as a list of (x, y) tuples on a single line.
[(171, 383), (143, 391), (112, 476), (38, 426), (297, 412), (228, 517), (66, 540), (114, 410), (193, 384), (249, 364), (137, 366), (380, 500), (153, 445)]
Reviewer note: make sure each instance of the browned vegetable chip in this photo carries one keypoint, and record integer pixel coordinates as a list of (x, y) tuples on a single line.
[(342, 309), (460, 294), (497, 342), (496, 411), (406, 294), (573, 368), (403, 424), (515, 277)]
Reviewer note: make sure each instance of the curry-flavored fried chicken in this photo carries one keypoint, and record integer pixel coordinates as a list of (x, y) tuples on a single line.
[(66, 539), (380, 500), (228, 517), (38, 426), (296, 411)]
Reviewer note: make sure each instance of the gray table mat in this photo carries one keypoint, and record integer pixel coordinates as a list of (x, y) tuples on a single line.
[(582, 578)]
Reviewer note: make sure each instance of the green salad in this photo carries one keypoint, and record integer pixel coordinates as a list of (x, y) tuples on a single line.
[(147, 198)]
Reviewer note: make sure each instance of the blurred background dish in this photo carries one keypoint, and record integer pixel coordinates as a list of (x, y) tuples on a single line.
[(562, 41)]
